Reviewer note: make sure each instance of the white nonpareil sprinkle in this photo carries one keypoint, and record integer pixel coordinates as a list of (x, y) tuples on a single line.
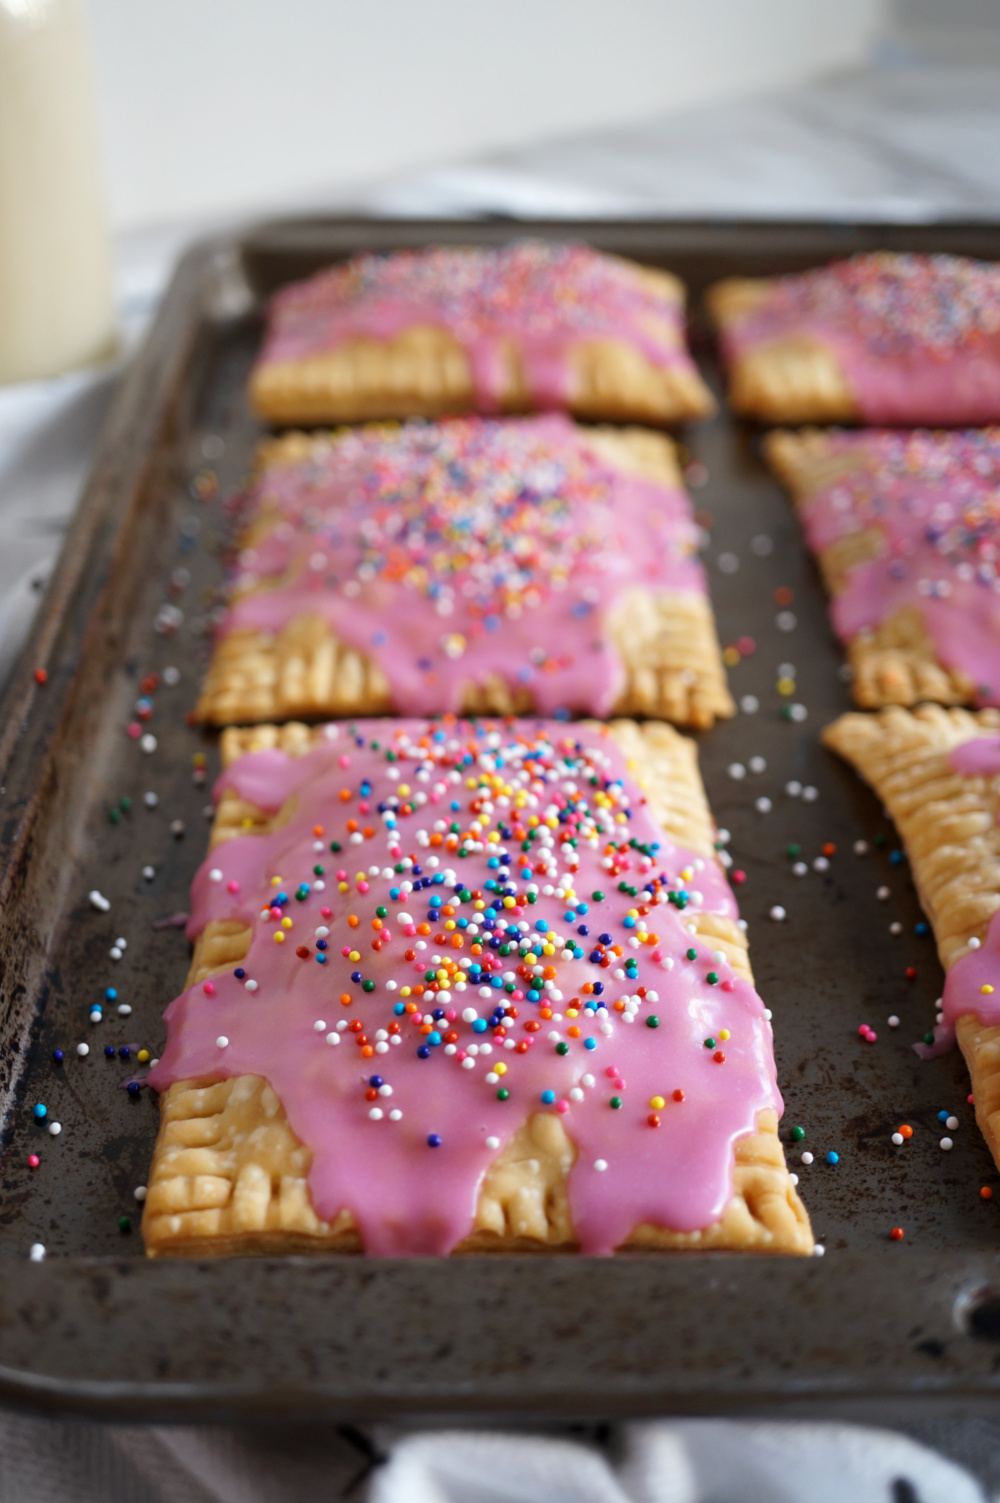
[(798, 713), (800, 869), (222, 1042), (786, 621), (736, 771), (149, 872), (493, 1142), (893, 1021), (100, 902), (376, 1114), (793, 788), (139, 1192), (749, 704), (946, 1144), (806, 1158), (951, 1123), (83, 1050), (55, 1128), (763, 805), (96, 1015), (468, 1064), (821, 864), (728, 563), (150, 800), (896, 928), (974, 943), (333, 1038), (819, 1250), (37, 1252), (215, 875), (793, 1179), (250, 986), (882, 893), (148, 742), (124, 1010), (768, 1014), (600, 1165), (810, 794), (319, 1026), (861, 848), (898, 1139), (778, 914), (757, 764), (115, 952), (395, 1115)]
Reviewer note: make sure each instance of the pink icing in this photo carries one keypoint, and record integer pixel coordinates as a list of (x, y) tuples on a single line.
[(918, 337), (935, 499), (544, 298), (416, 815), (454, 551)]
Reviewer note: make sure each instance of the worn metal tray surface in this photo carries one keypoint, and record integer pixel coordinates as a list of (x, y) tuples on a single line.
[(875, 1323)]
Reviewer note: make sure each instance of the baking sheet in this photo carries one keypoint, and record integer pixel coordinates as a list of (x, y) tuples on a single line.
[(97, 1328)]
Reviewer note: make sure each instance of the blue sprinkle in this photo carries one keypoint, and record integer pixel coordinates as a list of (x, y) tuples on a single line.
[(590, 1043), (542, 926), (109, 1051), (479, 1025), (833, 1158), (569, 915), (423, 1052), (320, 957), (493, 863), (628, 923), (496, 982), (379, 638), (375, 1081), (534, 996), (124, 1051), (943, 1116), (110, 994), (582, 908), (548, 1097), (526, 873), (41, 1111), (895, 858), (434, 1038), (239, 973), (433, 1140), (133, 1088)]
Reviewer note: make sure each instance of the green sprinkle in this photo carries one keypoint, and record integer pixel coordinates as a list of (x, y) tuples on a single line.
[(124, 1224), (335, 847), (709, 1043), (712, 978), (597, 897), (317, 871), (615, 1103), (503, 1094), (125, 804), (367, 986), (465, 896), (797, 1134), (562, 1048), (691, 954), (928, 1038), (652, 1021), (793, 849), (114, 815), (381, 912)]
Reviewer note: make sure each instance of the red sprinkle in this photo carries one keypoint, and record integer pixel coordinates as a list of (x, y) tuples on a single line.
[(897, 1234), (208, 987), (985, 1193), (911, 973), (719, 1057), (34, 1161), (41, 676), (739, 877)]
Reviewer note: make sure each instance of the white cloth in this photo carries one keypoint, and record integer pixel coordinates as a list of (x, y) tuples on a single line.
[(683, 1461)]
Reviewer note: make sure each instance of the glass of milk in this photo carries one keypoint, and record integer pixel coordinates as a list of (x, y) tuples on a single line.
[(56, 309)]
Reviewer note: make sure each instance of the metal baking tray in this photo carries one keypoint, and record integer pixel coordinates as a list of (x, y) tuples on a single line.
[(873, 1327)]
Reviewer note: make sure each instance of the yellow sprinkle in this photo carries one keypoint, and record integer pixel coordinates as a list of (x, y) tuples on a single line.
[(723, 1034), (687, 873), (508, 902), (548, 949), (404, 991), (730, 656), (142, 1056), (786, 686), (479, 905), (494, 835), (500, 1068), (449, 923), (279, 938), (404, 789), (986, 988), (572, 1012), (286, 923), (354, 955), (275, 881), (657, 1102)]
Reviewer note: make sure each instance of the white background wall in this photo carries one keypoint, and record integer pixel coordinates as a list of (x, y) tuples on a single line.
[(210, 106)]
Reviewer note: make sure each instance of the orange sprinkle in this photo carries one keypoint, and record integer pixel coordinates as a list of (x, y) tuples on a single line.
[(353, 920), (346, 999), (986, 1193), (573, 1032), (318, 830), (345, 794), (906, 1131), (829, 849), (783, 595)]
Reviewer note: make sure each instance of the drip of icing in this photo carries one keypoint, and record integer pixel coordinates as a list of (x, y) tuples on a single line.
[(935, 500), (918, 337), (514, 800), (542, 299), (450, 553)]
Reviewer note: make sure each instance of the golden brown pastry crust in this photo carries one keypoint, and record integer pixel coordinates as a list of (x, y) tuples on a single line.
[(792, 379), (229, 1176), (895, 662), (425, 372), (948, 824), (667, 643)]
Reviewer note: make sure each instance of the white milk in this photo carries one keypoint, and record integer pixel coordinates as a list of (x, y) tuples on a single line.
[(56, 307)]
